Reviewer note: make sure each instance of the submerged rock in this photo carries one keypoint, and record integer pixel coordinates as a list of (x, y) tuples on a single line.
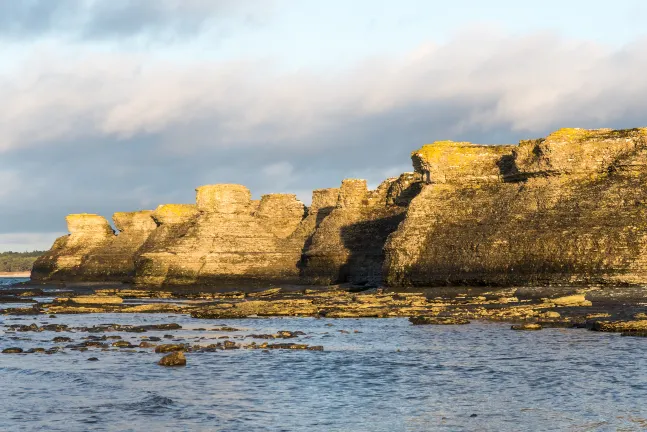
[(527, 326), (433, 320)]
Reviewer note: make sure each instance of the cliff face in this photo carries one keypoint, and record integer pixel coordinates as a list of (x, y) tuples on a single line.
[(229, 239), (567, 209), (92, 251), (348, 244)]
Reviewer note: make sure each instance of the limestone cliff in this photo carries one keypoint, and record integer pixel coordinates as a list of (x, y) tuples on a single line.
[(92, 251), (567, 209), (229, 239), (348, 244)]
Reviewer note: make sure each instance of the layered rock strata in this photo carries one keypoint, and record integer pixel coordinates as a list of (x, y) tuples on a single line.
[(568, 209), (348, 244), (93, 252), (231, 239)]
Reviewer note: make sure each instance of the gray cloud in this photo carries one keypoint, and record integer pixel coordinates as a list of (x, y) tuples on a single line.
[(101, 19), (115, 132)]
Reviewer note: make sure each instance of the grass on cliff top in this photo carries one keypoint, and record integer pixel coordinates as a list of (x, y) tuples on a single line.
[(18, 261), (177, 209), (579, 135), (458, 149)]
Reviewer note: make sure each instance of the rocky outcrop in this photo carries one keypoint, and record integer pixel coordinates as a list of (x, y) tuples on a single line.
[(93, 252), (88, 232), (230, 239), (348, 244), (568, 209)]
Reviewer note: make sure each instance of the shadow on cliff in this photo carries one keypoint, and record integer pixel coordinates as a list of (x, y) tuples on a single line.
[(365, 243), (303, 264), (508, 169)]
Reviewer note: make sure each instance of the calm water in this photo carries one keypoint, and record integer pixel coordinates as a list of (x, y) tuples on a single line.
[(390, 376)]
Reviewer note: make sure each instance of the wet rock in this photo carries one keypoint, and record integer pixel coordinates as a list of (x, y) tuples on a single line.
[(62, 339), (176, 358), (230, 345), (266, 293), (145, 344), (571, 300), (164, 348), (635, 334), (12, 350), (150, 327), (91, 300), (123, 344), (526, 326), (434, 320), (620, 326), (93, 359), (35, 350)]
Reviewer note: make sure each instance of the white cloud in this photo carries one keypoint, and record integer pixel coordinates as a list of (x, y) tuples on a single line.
[(528, 83), (110, 131)]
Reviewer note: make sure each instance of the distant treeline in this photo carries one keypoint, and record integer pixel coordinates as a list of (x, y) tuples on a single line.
[(18, 261)]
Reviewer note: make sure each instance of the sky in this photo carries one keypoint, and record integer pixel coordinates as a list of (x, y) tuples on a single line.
[(122, 105)]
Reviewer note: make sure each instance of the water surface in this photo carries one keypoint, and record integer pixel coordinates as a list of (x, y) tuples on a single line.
[(374, 375)]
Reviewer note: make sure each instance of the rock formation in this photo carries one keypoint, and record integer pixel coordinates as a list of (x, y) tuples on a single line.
[(229, 240), (92, 251), (348, 244), (567, 209)]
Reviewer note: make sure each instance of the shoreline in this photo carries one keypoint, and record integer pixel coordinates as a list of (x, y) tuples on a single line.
[(14, 274), (618, 310)]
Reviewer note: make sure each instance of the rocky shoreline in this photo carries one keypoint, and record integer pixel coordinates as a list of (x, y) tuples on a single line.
[(596, 308), (547, 233)]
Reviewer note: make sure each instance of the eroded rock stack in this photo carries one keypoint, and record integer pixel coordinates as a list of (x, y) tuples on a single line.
[(567, 209), (230, 240), (92, 251)]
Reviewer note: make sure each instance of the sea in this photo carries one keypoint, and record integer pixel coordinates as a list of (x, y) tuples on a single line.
[(375, 375)]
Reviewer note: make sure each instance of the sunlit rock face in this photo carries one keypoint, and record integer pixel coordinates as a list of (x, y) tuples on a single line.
[(348, 244), (88, 232), (567, 209), (114, 260), (230, 239)]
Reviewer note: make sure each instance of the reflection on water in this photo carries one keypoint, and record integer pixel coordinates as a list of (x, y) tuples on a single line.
[(387, 376)]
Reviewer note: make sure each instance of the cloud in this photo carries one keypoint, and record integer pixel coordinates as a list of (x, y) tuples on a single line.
[(101, 19), (113, 131)]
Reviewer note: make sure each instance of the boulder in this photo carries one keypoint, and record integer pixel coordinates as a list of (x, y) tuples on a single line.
[(173, 359)]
